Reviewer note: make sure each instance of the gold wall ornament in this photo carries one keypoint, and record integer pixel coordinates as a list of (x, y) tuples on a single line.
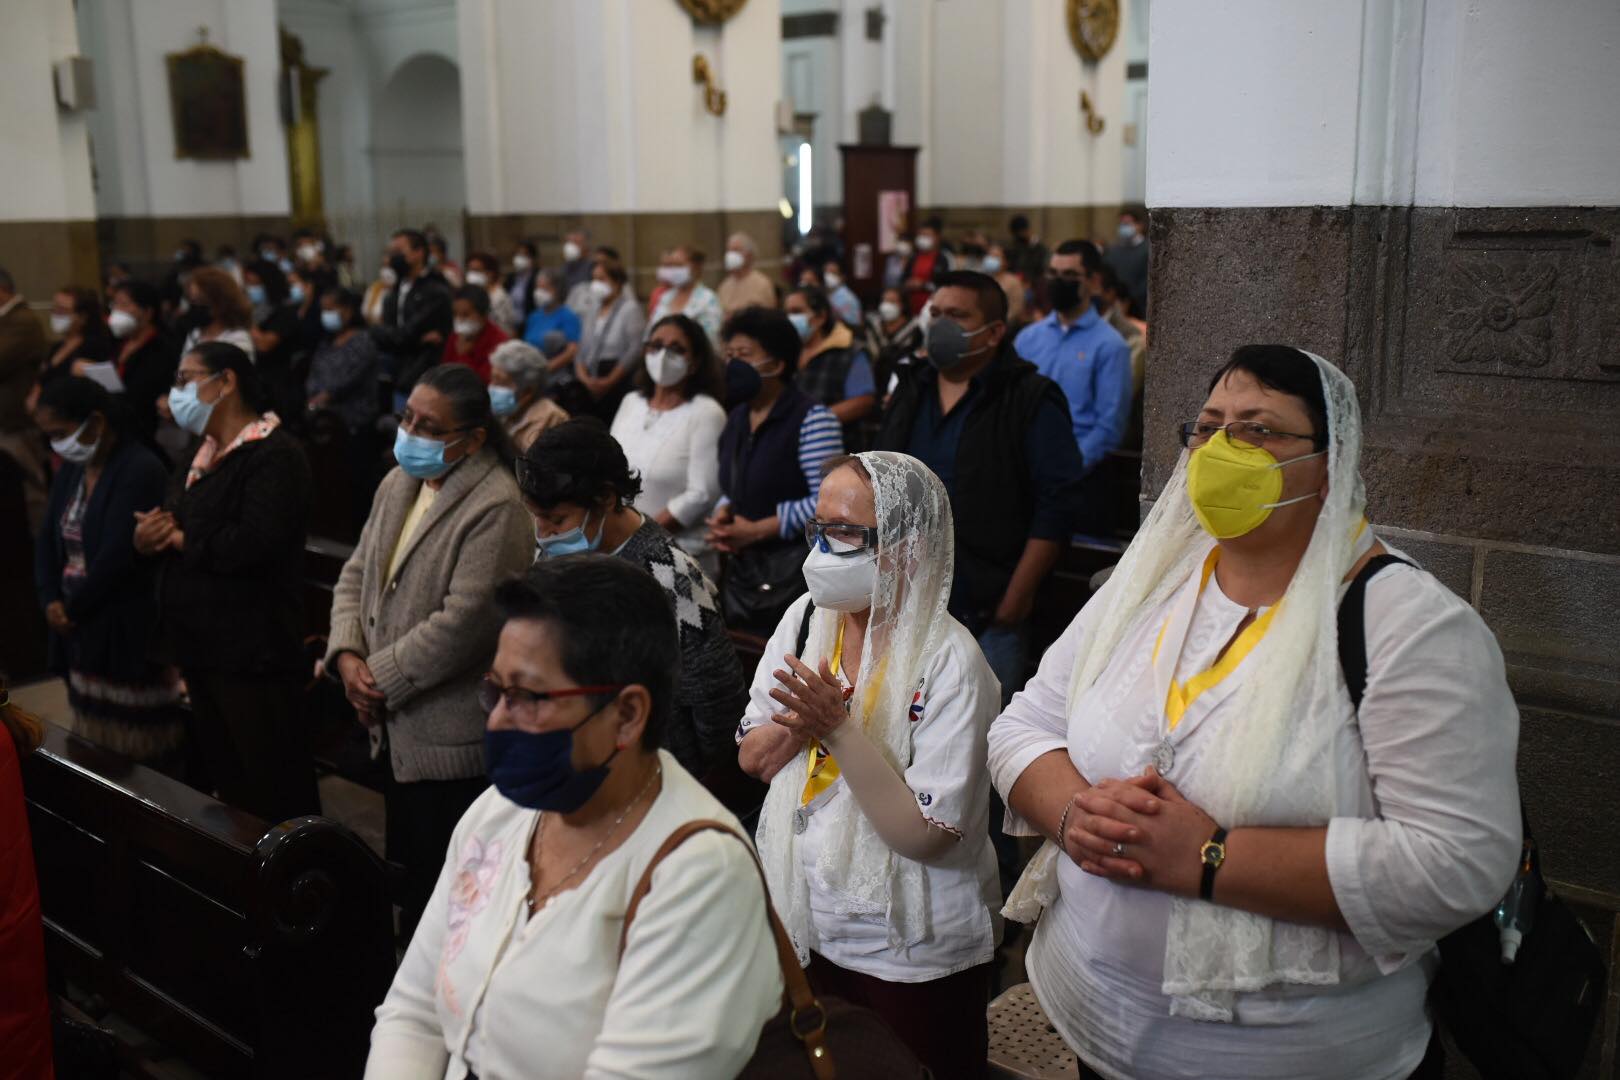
[(207, 102), (303, 132), (711, 12), (714, 98), (1093, 26), (1094, 123)]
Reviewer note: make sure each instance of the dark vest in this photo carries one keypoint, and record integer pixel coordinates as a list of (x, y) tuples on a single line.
[(993, 495), (760, 469), (823, 379)]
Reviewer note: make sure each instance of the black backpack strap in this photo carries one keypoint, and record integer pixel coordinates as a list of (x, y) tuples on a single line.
[(804, 630), (1353, 626)]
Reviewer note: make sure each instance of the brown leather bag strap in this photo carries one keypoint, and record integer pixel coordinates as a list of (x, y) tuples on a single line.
[(807, 1019)]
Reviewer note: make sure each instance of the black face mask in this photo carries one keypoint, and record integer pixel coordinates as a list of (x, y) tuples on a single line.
[(742, 383), (1064, 294), (400, 265)]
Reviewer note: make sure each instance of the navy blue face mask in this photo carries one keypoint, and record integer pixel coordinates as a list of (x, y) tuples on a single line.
[(535, 769)]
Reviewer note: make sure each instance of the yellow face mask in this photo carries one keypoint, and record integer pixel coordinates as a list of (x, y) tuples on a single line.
[(1234, 487)]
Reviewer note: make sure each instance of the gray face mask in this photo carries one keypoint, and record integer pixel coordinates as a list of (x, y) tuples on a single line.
[(947, 343)]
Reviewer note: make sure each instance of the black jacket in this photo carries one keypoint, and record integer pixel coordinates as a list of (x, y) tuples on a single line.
[(427, 308), (148, 373), (232, 601), (114, 607), (1000, 495)]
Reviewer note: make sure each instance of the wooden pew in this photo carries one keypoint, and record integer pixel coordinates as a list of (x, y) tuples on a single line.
[(251, 950)]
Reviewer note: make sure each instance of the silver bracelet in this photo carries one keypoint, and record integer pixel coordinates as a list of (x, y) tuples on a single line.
[(1063, 823)]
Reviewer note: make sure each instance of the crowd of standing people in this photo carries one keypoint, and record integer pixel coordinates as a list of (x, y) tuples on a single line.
[(569, 502)]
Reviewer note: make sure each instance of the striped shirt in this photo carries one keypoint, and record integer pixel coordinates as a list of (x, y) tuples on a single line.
[(821, 438)]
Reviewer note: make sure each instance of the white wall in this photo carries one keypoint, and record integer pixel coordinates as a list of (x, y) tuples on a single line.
[(132, 128), (589, 106), (1429, 103), (44, 152), (990, 94)]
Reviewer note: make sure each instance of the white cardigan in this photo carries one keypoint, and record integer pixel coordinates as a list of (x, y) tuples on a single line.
[(483, 990)]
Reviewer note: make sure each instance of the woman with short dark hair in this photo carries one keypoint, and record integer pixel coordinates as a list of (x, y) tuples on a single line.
[(412, 628), (100, 597), (80, 325), (669, 426), (772, 448), (526, 963), (146, 358), (343, 372), (230, 540), (833, 368), (582, 492)]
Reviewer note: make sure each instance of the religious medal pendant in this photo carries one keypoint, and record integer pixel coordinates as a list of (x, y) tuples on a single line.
[(1164, 756), (801, 821)]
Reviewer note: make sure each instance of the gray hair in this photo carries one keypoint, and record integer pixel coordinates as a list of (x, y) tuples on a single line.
[(522, 362), (743, 241)]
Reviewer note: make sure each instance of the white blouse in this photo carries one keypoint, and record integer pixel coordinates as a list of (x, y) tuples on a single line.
[(483, 989), (677, 453), (952, 709), (1430, 844)]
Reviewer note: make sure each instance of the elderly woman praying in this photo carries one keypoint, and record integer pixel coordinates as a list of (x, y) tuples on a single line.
[(868, 715)]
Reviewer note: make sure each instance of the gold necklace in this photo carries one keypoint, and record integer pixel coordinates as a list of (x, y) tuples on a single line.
[(536, 903)]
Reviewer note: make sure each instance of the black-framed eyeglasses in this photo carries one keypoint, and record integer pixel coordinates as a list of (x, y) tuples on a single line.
[(491, 693), (851, 539), (1195, 433), (411, 423), (183, 379)]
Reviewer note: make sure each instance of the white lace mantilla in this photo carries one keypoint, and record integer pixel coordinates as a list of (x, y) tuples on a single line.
[(1213, 952)]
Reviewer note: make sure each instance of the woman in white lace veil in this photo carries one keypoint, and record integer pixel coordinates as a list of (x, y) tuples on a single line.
[(1201, 691), (873, 834)]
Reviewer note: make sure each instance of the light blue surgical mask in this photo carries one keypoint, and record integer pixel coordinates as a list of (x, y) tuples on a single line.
[(801, 323), (256, 293), (572, 542), (331, 321), (296, 294), (502, 400), (190, 413), (420, 457), (1127, 231)]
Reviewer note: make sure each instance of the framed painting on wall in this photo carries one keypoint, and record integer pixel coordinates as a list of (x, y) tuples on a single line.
[(208, 104)]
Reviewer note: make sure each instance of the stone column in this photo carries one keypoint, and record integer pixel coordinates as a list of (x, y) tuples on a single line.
[(1428, 193), (47, 227), (588, 114), (147, 198)]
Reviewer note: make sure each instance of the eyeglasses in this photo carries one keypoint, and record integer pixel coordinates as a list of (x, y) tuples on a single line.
[(492, 693), (851, 539), (1196, 433), (183, 379), (413, 426)]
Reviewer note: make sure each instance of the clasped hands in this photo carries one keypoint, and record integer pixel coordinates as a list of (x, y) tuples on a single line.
[(1160, 830), (813, 704), (157, 531), (730, 534)]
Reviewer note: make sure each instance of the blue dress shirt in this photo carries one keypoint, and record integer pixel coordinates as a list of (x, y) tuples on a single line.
[(1091, 363)]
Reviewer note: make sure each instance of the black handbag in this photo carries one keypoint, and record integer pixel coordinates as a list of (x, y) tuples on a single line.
[(759, 584), (1528, 1020)]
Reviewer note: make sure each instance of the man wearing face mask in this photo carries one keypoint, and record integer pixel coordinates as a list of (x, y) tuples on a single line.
[(997, 433), (1129, 255), (1080, 352), (744, 285), (576, 267), (416, 315)]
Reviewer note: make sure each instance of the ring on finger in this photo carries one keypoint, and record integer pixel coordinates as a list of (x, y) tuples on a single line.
[(1119, 849)]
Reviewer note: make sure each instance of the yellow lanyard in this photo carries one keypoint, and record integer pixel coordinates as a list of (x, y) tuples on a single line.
[(1182, 695), (823, 770)]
